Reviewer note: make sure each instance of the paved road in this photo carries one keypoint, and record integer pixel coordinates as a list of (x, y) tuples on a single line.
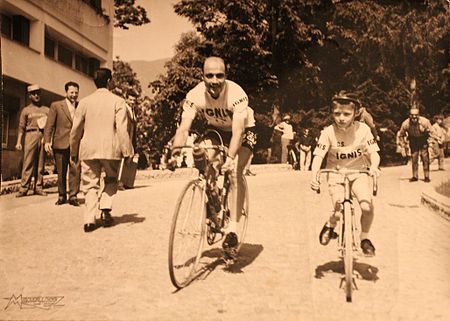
[(284, 273)]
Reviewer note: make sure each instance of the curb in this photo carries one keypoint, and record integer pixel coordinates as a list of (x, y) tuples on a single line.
[(8, 187), (436, 202)]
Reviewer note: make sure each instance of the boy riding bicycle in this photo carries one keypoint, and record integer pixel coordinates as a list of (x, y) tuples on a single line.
[(351, 145), (224, 105)]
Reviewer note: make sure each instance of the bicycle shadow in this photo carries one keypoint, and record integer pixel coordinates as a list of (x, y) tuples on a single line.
[(366, 271), (247, 254)]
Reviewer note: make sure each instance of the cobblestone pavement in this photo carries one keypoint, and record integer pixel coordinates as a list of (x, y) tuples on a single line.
[(283, 272)]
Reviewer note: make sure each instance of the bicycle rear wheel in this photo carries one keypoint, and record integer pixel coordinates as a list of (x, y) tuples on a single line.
[(348, 251), (187, 234)]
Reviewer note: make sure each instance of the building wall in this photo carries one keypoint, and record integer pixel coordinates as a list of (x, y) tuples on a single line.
[(71, 23)]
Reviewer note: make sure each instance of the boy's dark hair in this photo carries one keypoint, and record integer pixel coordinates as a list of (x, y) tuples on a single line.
[(71, 83), (101, 77)]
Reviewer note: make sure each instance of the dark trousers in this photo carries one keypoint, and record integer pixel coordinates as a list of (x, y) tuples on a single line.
[(422, 150), (62, 160), (33, 161)]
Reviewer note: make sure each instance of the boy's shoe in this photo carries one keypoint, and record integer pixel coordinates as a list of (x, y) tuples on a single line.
[(107, 219), (427, 180), (326, 234), (367, 247), (413, 179), (230, 242)]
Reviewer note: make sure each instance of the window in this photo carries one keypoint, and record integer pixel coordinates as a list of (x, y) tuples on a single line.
[(21, 29), (16, 28), (6, 26), (81, 63), (94, 64), (10, 116), (65, 55), (5, 129), (50, 46)]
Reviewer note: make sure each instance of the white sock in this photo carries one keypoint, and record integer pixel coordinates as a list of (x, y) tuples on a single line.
[(364, 235)]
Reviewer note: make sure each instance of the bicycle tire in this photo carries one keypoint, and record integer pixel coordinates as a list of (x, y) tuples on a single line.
[(348, 251), (187, 234)]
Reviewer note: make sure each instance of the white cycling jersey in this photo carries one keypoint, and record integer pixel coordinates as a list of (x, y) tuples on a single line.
[(347, 149), (232, 102)]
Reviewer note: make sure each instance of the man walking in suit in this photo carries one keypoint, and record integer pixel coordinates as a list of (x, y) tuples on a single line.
[(31, 125), (100, 139), (56, 136)]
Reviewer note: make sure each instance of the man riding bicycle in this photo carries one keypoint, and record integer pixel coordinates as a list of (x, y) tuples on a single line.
[(224, 105)]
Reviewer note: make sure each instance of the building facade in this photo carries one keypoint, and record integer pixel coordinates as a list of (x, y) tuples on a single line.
[(48, 42)]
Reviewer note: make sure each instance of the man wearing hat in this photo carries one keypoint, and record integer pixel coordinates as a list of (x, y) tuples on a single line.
[(288, 135), (31, 125)]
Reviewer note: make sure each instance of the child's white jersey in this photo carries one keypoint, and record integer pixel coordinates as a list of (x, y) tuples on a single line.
[(232, 102), (347, 149)]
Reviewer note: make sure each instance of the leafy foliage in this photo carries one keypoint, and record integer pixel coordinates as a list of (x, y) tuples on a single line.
[(127, 13), (298, 53)]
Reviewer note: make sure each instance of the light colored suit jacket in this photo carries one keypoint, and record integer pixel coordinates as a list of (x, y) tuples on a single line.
[(99, 128), (59, 124)]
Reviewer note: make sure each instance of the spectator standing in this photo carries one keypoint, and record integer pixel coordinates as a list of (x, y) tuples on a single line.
[(32, 121), (438, 137), (286, 138), (417, 129), (306, 144), (100, 138), (56, 137), (365, 117)]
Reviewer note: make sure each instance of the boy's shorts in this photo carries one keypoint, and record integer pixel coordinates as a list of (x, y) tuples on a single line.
[(360, 187)]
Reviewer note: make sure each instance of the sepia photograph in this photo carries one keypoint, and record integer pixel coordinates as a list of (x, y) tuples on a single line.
[(206, 160)]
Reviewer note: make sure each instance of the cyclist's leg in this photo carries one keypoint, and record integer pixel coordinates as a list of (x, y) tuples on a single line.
[(361, 189)]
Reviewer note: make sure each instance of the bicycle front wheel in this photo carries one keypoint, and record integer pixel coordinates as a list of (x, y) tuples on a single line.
[(187, 234), (348, 251)]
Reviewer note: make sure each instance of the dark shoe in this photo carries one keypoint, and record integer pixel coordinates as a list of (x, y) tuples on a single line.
[(427, 180), (40, 192), (413, 179), (367, 247), (89, 227), (231, 242), (74, 202), (442, 169), (120, 186), (107, 219), (61, 201), (21, 194), (326, 234)]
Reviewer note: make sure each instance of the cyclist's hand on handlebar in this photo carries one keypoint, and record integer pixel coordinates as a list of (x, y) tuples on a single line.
[(228, 165), (315, 185), (374, 171)]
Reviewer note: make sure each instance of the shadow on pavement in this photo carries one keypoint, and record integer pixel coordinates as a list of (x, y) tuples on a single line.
[(128, 218), (247, 254), (366, 271)]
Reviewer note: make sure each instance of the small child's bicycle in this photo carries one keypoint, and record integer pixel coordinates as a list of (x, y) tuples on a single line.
[(202, 212), (348, 239)]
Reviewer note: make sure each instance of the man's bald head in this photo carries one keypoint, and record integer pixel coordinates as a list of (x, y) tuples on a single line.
[(214, 63)]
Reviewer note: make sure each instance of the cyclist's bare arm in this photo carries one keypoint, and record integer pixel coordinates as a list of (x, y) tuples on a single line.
[(315, 167), (182, 133), (238, 128), (374, 162)]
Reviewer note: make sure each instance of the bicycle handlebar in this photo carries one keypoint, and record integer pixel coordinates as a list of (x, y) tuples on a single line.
[(346, 172)]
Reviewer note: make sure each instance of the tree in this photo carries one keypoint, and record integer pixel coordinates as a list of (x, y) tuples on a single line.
[(301, 52), (127, 13)]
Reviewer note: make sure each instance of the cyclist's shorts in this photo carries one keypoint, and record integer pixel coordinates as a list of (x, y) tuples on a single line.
[(248, 141), (360, 185)]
